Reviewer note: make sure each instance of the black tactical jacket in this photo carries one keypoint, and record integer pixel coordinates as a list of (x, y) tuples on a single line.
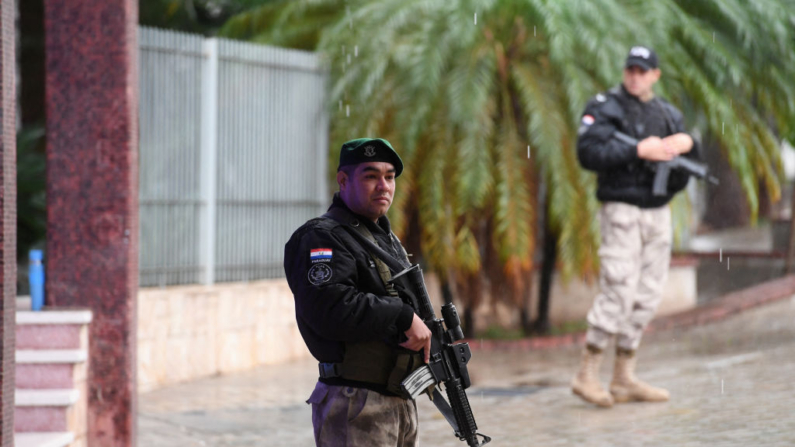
[(622, 175), (339, 296)]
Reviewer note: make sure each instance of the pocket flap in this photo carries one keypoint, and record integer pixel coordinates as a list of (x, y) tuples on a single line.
[(319, 394)]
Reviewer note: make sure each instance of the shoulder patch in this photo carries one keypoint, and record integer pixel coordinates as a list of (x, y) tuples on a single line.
[(319, 273), (600, 97), (320, 255)]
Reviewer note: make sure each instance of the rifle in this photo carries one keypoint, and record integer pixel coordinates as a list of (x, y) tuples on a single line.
[(448, 359), (663, 168), (447, 364)]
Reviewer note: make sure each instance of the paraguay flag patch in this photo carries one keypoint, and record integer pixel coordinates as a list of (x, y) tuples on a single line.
[(587, 120), (320, 255)]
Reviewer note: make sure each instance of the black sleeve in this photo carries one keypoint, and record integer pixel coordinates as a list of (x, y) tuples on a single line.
[(695, 152), (597, 149), (326, 294), (678, 180)]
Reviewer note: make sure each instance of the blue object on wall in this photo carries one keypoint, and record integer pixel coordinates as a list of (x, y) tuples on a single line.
[(36, 278)]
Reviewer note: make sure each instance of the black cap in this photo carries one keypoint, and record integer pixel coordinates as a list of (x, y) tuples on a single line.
[(363, 150), (643, 57)]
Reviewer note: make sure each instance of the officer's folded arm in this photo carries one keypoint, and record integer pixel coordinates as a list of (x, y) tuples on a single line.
[(598, 150), (333, 305)]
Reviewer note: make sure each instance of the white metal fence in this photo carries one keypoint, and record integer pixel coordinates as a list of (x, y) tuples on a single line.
[(233, 144)]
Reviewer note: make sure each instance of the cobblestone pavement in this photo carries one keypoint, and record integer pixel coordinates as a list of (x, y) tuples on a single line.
[(732, 384)]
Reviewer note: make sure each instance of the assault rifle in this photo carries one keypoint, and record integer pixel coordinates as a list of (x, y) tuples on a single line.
[(448, 359), (663, 168), (447, 364)]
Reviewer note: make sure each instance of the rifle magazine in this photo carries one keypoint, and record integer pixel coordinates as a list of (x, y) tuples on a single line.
[(418, 381)]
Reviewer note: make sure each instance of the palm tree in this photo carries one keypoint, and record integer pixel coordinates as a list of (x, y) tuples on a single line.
[(196, 16), (483, 98), (285, 23)]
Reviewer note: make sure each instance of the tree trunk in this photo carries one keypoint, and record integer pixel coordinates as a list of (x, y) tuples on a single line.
[(550, 254), (469, 322), (447, 293)]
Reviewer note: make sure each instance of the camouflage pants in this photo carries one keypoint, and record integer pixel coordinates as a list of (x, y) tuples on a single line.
[(348, 416), (635, 255)]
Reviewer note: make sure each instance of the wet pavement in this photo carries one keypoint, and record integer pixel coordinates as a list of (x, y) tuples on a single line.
[(732, 384)]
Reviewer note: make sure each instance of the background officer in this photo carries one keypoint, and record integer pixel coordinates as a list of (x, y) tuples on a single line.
[(635, 224), (362, 332)]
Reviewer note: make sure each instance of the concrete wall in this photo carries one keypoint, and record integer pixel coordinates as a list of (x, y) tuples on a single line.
[(188, 332), (571, 301)]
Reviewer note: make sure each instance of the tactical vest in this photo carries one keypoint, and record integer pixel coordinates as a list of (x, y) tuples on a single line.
[(374, 361)]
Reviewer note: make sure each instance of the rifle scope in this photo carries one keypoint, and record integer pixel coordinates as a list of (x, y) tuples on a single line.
[(451, 320)]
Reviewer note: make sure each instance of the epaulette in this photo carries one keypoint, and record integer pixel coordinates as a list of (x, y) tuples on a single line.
[(600, 98), (324, 223), (317, 223)]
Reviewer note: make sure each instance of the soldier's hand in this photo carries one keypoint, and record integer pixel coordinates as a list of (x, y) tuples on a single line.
[(655, 149), (419, 337), (680, 142)]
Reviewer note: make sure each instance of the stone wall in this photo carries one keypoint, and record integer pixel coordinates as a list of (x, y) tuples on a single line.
[(190, 332), (571, 301)]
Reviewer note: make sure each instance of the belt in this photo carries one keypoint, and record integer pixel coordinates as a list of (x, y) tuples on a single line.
[(329, 370)]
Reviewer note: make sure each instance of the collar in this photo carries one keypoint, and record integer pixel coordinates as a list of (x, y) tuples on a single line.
[(626, 94), (383, 226)]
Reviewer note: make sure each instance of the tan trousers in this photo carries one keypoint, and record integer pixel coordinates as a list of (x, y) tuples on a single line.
[(635, 255), (352, 417)]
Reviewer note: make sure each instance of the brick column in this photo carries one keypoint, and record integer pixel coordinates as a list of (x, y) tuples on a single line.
[(92, 195), (8, 219)]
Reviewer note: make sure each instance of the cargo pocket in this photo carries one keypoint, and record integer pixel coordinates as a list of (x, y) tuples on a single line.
[(621, 241), (319, 394), (616, 266), (619, 219)]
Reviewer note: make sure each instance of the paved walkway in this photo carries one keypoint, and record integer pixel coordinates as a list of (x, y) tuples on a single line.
[(732, 384)]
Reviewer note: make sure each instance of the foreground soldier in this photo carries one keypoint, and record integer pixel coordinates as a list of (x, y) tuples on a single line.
[(362, 333), (635, 223)]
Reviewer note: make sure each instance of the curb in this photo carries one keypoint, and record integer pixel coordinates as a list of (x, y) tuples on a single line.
[(714, 311)]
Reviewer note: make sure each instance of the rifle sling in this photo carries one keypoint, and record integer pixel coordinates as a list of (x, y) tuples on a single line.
[(368, 242), (444, 408), (374, 361)]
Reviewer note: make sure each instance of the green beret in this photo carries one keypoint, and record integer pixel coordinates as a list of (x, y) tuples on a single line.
[(364, 150)]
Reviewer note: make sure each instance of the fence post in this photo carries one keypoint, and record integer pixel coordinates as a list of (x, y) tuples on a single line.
[(322, 146), (209, 155)]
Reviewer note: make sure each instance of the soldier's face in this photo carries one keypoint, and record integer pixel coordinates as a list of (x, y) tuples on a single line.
[(639, 82), (368, 190)]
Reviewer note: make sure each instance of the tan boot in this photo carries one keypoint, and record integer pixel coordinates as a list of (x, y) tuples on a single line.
[(586, 383), (625, 387)]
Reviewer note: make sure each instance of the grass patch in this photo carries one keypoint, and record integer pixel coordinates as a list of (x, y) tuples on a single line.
[(569, 327), (495, 332), (501, 333)]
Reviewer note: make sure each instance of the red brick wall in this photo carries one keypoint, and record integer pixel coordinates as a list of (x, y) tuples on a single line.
[(8, 220), (92, 195)]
